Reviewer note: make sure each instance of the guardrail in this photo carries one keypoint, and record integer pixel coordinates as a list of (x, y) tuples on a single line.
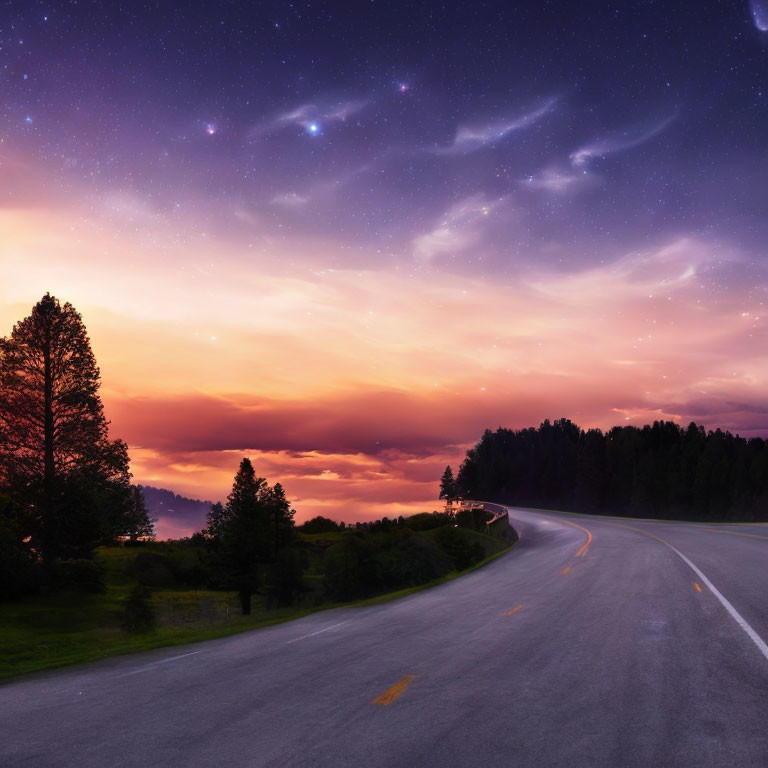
[(498, 526)]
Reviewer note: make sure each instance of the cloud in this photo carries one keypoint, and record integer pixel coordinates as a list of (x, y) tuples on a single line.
[(458, 229), (470, 138), (308, 114), (290, 200), (320, 190), (555, 180), (759, 10), (627, 139)]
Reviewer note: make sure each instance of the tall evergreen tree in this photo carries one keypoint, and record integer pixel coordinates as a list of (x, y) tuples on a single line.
[(281, 516), (56, 458), (245, 534), (447, 485)]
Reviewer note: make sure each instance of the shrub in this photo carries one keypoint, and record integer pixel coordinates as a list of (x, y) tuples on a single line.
[(456, 545), (152, 570), (349, 568), (426, 521), (138, 614), (285, 580), (418, 560), (79, 575), (19, 571), (320, 524)]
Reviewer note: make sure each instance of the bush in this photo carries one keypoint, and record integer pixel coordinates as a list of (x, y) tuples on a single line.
[(349, 569), (474, 519), (138, 614), (320, 524), (418, 560), (285, 581), (79, 575), (152, 570), (427, 521), (19, 571), (456, 545)]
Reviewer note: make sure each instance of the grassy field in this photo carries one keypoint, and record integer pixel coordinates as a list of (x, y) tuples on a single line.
[(63, 628)]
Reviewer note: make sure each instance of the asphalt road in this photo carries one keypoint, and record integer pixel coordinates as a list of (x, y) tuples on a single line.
[(552, 655)]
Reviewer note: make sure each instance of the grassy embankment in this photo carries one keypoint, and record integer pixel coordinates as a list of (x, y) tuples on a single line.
[(55, 630)]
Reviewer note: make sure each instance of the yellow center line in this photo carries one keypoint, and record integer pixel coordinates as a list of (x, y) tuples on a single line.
[(732, 533), (589, 536), (696, 587), (566, 570), (514, 610), (394, 692)]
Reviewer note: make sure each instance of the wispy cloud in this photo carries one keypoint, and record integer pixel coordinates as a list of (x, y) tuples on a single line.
[(318, 190), (470, 138), (554, 179), (458, 229), (627, 139), (308, 115), (759, 9)]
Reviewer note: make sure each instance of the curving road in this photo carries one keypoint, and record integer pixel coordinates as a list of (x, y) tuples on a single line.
[(614, 654)]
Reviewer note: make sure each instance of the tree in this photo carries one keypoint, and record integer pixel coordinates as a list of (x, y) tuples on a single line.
[(216, 519), (281, 516), (447, 485), (56, 458), (321, 524), (245, 533)]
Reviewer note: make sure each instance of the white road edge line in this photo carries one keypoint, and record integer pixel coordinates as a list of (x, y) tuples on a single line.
[(155, 663), (312, 634), (737, 617)]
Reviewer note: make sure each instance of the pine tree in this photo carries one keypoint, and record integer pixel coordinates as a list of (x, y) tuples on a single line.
[(244, 530), (56, 458), (282, 518), (447, 485), (215, 519)]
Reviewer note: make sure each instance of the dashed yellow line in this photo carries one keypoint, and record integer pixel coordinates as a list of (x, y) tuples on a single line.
[(397, 690), (565, 570), (581, 528), (514, 610), (696, 587)]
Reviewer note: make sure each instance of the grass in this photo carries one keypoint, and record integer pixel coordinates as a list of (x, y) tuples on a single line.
[(56, 630)]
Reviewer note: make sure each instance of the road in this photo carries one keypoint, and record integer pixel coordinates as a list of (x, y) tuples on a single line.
[(592, 643)]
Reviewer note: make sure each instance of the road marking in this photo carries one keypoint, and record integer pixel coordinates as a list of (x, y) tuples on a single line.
[(514, 610), (732, 533), (589, 536), (312, 634), (696, 587), (155, 663), (397, 690), (735, 615), (565, 570)]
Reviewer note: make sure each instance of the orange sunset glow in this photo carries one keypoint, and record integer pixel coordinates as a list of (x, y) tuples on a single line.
[(349, 278), (354, 387)]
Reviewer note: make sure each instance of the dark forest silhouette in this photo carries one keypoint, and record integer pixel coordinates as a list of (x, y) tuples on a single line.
[(662, 471)]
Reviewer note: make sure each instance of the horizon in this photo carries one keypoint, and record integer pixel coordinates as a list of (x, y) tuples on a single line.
[(347, 262)]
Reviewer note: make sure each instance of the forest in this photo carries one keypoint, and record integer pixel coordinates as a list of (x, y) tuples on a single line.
[(661, 470)]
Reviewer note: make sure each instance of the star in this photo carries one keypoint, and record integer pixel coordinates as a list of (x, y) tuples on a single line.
[(211, 129), (313, 128), (403, 87)]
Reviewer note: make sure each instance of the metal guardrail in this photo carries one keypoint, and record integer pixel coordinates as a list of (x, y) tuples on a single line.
[(498, 511)]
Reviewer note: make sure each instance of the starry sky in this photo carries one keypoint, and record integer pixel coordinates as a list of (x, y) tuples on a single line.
[(343, 238)]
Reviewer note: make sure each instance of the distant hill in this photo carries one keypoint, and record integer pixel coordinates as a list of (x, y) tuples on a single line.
[(176, 515)]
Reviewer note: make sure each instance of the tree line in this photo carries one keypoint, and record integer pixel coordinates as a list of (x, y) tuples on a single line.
[(65, 490), (252, 546), (661, 470)]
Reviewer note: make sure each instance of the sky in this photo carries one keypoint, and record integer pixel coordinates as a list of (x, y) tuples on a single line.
[(345, 238)]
